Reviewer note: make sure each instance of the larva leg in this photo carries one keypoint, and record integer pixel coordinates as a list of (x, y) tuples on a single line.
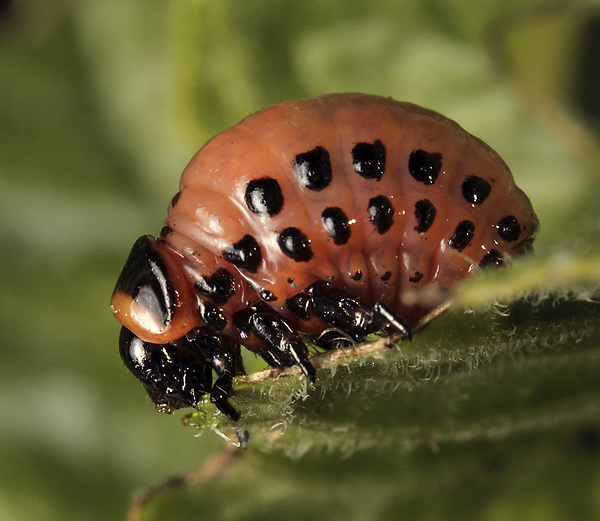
[(172, 377), (393, 320), (345, 314), (283, 345), (218, 351)]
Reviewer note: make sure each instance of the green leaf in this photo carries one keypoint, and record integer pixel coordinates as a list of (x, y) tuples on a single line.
[(524, 477), (490, 412), (471, 374)]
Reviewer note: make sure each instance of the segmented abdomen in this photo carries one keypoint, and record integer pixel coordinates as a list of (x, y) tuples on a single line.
[(387, 200)]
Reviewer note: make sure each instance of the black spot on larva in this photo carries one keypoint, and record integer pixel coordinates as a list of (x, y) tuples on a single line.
[(175, 199), (165, 231), (336, 224), (492, 258), (295, 244), (425, 166), (368, 159), (475, 190), (462, 235), (264, 197), (509, 228), (416, 277), (386, 276), (245, 254), (381, 213), (290, 280), (313, 169), (268, 296), (356, 276), (218, 287), (425, 215), (212, 315)]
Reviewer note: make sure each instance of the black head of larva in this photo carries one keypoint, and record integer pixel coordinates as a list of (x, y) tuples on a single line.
[(368, 159), (425, 166), (264, 197), (172, 377), (313, 169), (475, 190)]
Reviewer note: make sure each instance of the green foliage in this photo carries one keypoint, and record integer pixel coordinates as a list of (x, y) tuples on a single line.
[(528, 366), (491, 412)]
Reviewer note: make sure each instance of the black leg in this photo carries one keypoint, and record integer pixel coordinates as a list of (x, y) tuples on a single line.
[(219, 353), (345, 313), (283, 346), (393, 320)]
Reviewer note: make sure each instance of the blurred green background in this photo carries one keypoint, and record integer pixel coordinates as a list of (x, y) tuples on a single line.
[(101, 106)]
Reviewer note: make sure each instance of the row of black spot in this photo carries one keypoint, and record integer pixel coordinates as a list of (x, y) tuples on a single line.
[(508, 228), (295, 244), (246, 253), (313, 169)]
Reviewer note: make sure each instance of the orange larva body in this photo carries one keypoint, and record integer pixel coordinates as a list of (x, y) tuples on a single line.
[(386, 203)]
